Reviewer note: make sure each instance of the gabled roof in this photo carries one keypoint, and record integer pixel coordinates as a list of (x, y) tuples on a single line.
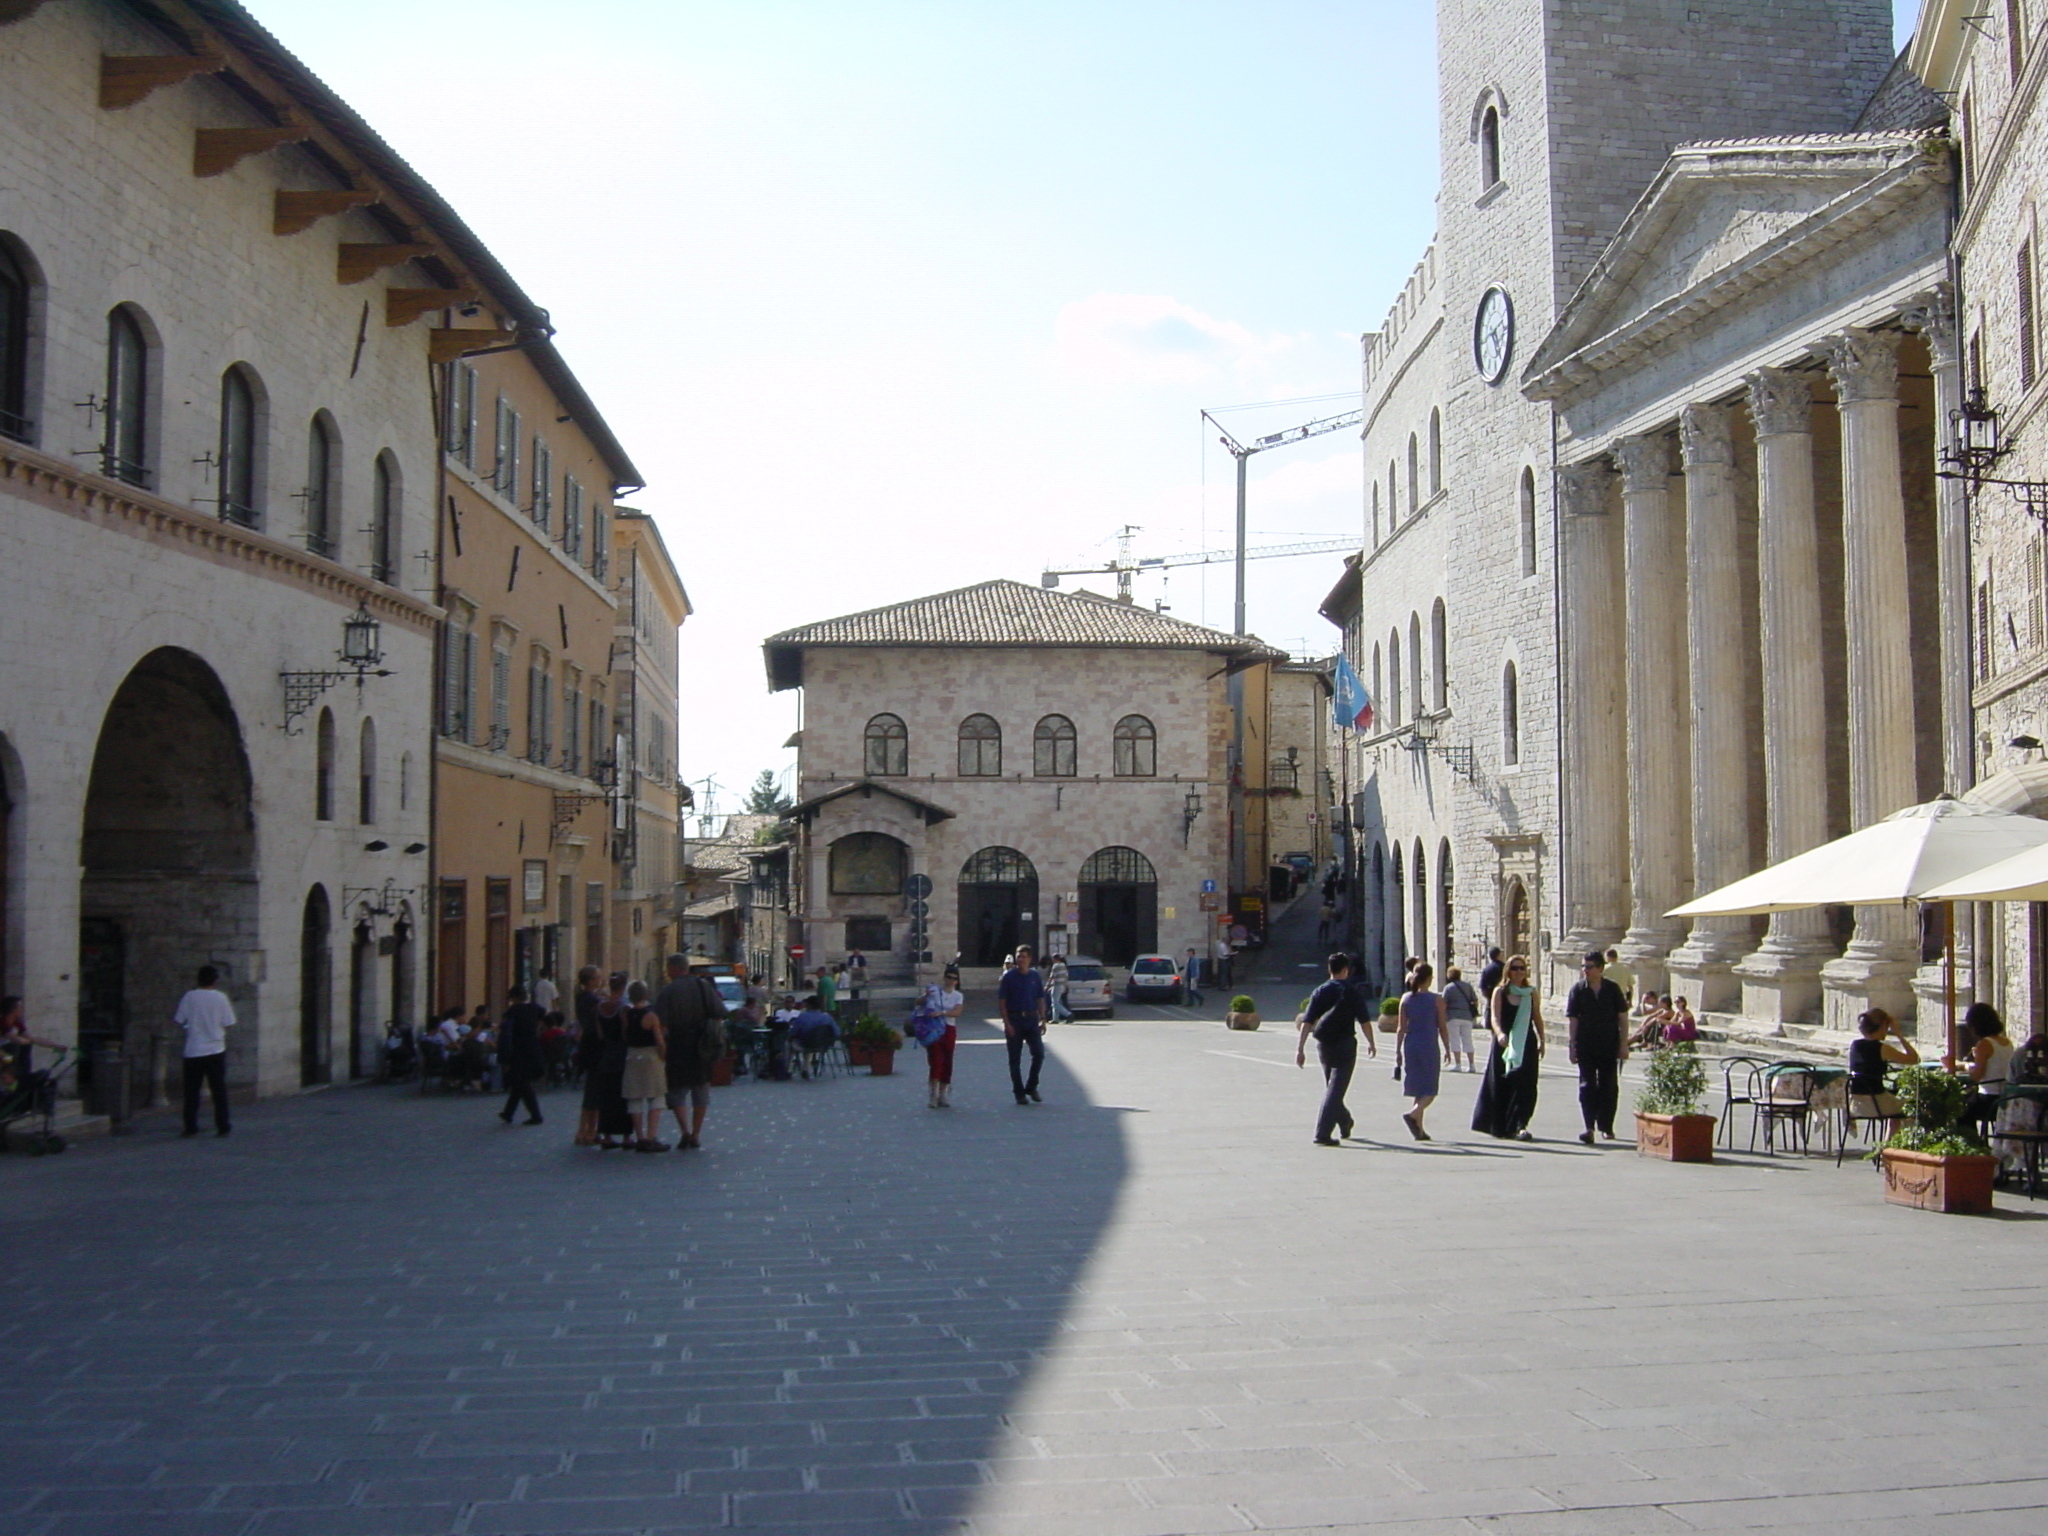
[(809, 809), (1004, 615), (1722, 220)]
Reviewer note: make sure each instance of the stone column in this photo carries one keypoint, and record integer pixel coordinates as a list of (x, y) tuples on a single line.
[(1595, 830), (1703, 967), (1659, 827), (1781, 981), (1877, 968), (1933, 315)]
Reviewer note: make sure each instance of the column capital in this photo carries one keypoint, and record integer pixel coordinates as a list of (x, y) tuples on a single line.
[(1582, 488), (1704, 435), (1645, 462), (1933, 315), (1780, 401), (1864, 365)]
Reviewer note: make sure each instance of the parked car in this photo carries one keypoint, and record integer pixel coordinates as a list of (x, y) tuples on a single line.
[(1089, 987), (1302, 864), (730, 992), (1154, 979)]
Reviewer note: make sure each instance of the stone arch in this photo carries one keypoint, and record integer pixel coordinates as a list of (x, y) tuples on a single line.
[(1446, 905), (325, 766), (1517, 922), (998, 905), (1440, 656), (134, 396), (316, 988), (1525, 520), (1397, 910), (387, 521), (23, 295), (168, 857), (1436, 450), (1419, 874), (1510, 716), (366, 772), (1419, 701), (1119, 905), (323, 491), (241, 465)]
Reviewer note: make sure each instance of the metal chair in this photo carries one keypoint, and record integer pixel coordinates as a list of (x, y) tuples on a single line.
[(1730, 1066), (1783, 1095), (1851, 1119)]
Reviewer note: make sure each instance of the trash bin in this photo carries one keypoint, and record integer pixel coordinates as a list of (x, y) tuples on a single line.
[(110, 1083)]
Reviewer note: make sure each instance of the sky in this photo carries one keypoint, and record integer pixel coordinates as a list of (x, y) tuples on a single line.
[(887, 297)]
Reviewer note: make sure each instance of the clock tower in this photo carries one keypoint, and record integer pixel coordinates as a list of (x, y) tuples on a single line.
[(1553, 118)]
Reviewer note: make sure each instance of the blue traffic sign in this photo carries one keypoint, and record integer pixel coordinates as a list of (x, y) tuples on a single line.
[(1208, 887)]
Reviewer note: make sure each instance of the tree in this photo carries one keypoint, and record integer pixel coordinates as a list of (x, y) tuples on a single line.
[(765, 798)]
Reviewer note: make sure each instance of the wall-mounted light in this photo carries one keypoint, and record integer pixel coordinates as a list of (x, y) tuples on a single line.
[(361, 652), (1190, 809)]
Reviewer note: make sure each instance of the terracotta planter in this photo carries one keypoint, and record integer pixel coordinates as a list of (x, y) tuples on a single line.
[(721, 1071), (881, 1061), (1242, 1020), (1675, 1138), (1956, 1185), (859, 1054)]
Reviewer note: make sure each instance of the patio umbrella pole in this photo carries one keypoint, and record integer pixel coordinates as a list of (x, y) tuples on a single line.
[(1948, 945)]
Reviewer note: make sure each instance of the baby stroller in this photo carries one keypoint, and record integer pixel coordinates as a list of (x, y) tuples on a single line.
[(33, 1096)]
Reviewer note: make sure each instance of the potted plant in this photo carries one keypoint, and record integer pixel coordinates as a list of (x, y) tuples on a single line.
[(1244, 1013), (1668, 1119), (1936, 1161), (876, 1042), (1390, 1015)]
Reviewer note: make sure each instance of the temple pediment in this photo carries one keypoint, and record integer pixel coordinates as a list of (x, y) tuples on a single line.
[(1721, 220)]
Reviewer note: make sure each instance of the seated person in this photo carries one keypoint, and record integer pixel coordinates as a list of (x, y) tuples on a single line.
[(1651, 1017), (399, 1052), (1680, 1023), (813, 1029), (1879, 1048), (446, 1031), (1988, 1062), (17, 1050)]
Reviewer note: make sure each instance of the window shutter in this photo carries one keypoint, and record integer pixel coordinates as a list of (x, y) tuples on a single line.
[(451, 656), (1985, 650), (466, 725), (501, 699), (2034, 585), (2026, 313)]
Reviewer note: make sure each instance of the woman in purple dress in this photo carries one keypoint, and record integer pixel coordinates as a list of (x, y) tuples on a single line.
[(1420, 1040)]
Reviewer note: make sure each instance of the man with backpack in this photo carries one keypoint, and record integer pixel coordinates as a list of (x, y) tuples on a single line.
[(1336, 1016), (692, 1018)]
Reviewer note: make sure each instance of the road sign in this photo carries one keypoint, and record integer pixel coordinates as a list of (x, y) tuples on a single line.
[(797, 950), (1208, 887), (918, 887), (920, 909)]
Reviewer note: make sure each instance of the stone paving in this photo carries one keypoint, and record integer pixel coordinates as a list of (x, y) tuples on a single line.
[(1145, 1308)]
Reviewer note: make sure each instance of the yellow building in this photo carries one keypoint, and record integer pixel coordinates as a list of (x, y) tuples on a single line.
[(651, 607), (526, 754)]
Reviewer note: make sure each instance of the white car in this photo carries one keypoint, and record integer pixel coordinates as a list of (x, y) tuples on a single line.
[(1089, 986), (1154, 979)]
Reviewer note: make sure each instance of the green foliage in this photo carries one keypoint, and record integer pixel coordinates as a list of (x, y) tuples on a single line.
[(1389, 1006), (874, 1031), (1933, 1100), (1242, 1003), (1676, 1083), (764, 798), (1947, 1144)]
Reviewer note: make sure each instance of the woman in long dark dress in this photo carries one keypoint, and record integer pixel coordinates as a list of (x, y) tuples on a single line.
[(614, 1123), (1507, 1094)]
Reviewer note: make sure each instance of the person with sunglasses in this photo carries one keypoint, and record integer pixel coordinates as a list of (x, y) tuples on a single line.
[(1507, 1094)]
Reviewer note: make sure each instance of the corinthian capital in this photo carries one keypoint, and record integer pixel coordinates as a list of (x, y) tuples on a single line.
[(1703, 435), (1780, 401), (1863, 364), (1582, 488), (1933, 315), (1645, 462)]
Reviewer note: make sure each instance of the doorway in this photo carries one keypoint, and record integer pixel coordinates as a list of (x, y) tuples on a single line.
[(1517, 928), (998, 906), (1119, 906), (362, 994), (316, 990)]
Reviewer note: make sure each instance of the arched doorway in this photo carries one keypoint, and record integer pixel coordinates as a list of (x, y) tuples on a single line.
[(316, 989), (362, 993), (11, 870), (404, 959), (1446, 906), (998, 905), (1119, 905), (1397, 927), (1516, 924), (168, 858)]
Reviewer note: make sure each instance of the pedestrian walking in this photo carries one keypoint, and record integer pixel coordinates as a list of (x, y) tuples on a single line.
[(206, 1016), (1597, 1038), (1422, 1029), (1021, 995), (1225, 955), (614, 1120), (1056, 985), (1192, 973), (1490, 974), (1507, 1094), (644, 1084), (1326, 916), (946, 1000), (1461, 1012), (1336, 1018), (692, 1020), (519, 1054), (589, 1053)]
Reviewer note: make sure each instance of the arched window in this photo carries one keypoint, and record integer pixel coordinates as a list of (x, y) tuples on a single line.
[(1397, 907), (366, 774), (125, 452), (1137, 748), (1439, 657), (981, 748), (323, 473), (323, 767), (1375, 514), (1393, 495), (1414, 476), (1446, 902), (1378, 698), (1419, 873), (1510, 716), (1489, 148), (405, 781), (384, 493), (1419, 703), (240, 443), (1052, 748), (17, 293), (1394, 715), (868, 864), (1526, 511), (1436, 451), (886, 747)]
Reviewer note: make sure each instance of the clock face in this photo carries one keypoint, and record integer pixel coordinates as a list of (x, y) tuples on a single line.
[(1493, 334)]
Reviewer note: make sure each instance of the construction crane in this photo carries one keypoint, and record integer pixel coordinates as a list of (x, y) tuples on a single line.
[(1124, 568), (1243, 452)]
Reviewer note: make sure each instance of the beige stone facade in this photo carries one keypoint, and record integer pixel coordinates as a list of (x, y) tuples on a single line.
[(652, 607)]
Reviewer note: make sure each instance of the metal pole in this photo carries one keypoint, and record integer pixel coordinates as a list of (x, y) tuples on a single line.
[(1239, 612)]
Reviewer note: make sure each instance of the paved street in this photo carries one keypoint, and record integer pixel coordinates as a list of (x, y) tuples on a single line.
[(1148, 1306)]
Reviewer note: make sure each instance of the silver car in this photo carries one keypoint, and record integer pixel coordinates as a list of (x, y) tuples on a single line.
[(1089, 987)]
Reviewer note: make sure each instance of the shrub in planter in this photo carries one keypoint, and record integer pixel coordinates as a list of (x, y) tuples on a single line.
[(1390, 1015), (1668, 1119), (1936, 1161), (1244, 1013), (873, 1042)]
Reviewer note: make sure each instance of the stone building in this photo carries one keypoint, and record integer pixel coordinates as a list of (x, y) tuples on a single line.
[(525, 752), (220, 299), (1582, 662), (1300, 788), (1057, 767), (647, 807)]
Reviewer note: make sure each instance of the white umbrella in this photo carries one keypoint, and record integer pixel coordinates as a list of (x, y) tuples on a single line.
[(1905, 857), (2023, 877)]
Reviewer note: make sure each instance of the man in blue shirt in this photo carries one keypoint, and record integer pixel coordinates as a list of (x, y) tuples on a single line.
[(1022, 997)]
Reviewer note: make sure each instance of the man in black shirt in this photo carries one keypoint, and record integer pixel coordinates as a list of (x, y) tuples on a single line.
[(519, 1055), (1596, 1012), (1335, 1018), (1491, 973)]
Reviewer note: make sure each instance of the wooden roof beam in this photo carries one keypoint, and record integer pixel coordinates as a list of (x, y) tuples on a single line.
[(218, 150), (126, 79), (402, 306), (357, 262), (295, 211), (447, 343)]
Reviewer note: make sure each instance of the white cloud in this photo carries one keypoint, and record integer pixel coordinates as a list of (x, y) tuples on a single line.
[(1136, 338)]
